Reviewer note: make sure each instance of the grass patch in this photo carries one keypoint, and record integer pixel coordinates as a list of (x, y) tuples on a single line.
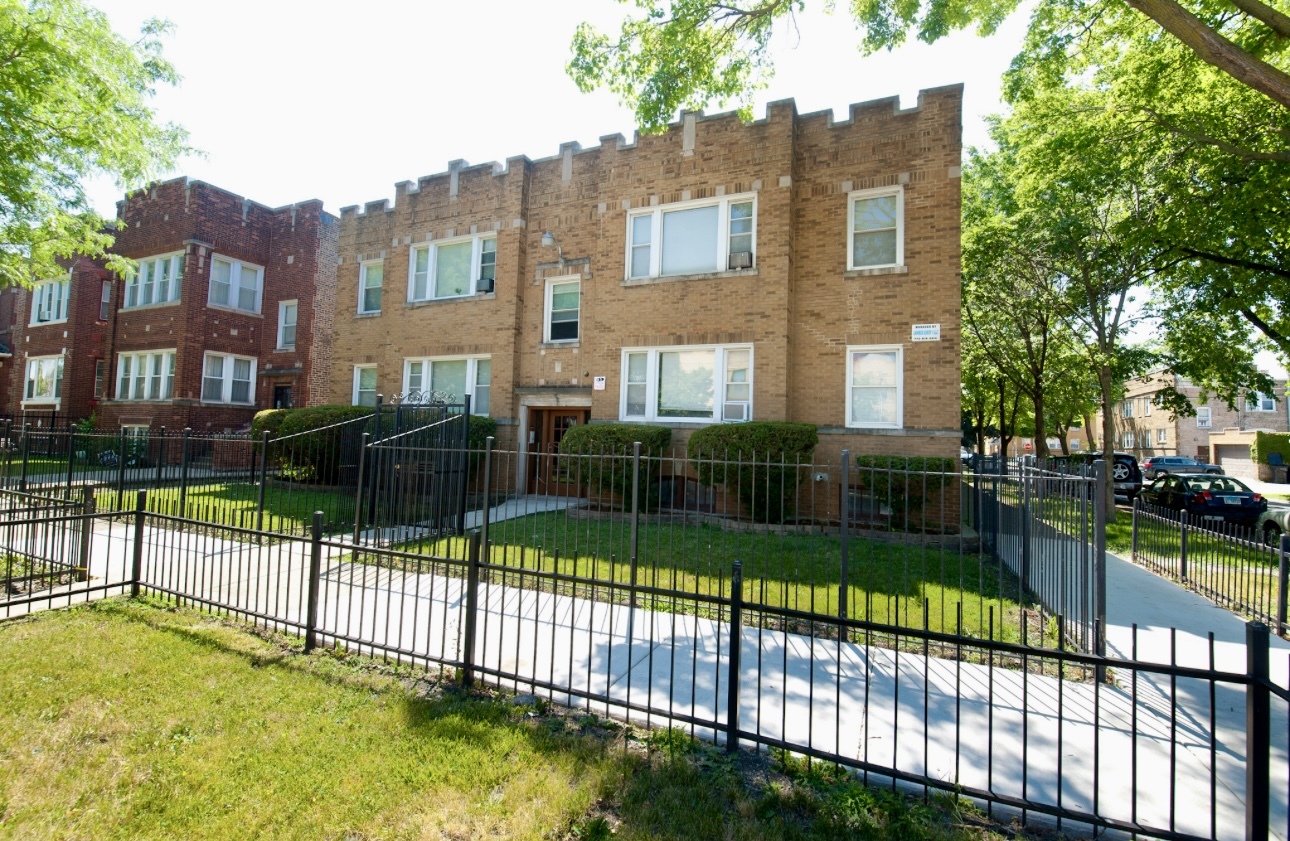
[(127, 719), (889, 583), (287, 509)]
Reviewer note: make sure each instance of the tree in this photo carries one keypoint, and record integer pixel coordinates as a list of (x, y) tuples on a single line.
[(73, 105), (686, 53)]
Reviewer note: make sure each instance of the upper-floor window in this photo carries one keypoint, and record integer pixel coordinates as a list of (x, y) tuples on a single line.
[(452, 268), (100, 378), (1261, 403), (876, 228), (452, 378), (236, 285), (105, 301), (687, 383), (1146, 407), (1162, 435), (1126, 408), (49, 301), (44, 379), (562, 309), (1128, 439), (228, 379), (287, 313), (371, 282), (711, 235), (875, 387), (1204, 417), (364, 385), (157, 281), (148, 375)]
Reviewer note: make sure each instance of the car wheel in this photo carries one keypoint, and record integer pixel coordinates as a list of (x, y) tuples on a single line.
[(1271, 534), (1120, 472)]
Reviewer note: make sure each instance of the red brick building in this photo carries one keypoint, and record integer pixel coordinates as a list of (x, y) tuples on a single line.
[(229, 311)]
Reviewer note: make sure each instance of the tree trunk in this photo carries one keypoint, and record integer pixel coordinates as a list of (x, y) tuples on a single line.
[(1108, 438), (1063, 433), (1041, 429), (1088, 432)]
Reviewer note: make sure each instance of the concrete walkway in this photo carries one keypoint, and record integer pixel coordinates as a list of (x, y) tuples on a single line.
[(1072, 743)]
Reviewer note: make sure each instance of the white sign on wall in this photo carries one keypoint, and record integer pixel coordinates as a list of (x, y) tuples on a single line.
[(926, 333), (598, 384)]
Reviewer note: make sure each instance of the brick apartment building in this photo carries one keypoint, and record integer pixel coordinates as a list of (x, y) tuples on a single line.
[(1216, 434), (229, 311), (795, 268)]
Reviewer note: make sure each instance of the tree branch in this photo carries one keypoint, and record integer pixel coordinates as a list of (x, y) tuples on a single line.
[(1265, 14), (1234, 262), (1216, 50)]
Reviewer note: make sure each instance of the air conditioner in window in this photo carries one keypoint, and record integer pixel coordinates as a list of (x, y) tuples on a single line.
[(741, 260), (734, 411), (484, 284)]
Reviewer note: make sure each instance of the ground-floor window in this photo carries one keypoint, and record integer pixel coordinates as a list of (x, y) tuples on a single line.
[(451, 378), (704, 383), (875, 387)]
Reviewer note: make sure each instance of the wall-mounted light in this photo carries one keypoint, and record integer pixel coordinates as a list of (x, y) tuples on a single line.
[(549, 241)]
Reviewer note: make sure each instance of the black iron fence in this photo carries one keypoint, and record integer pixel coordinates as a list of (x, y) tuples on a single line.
[(1191, 748), (1225, 562)]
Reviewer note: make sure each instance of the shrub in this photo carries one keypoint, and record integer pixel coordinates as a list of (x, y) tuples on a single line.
[(905, 483), (318, 457), (612, 474), (269, 420), (1266, 443), (759, 461)]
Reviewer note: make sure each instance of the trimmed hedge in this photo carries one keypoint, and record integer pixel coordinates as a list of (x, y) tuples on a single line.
[(768, 492), (1266, 443), (268, 420), (905, 492), (613, 475), (315, 417)]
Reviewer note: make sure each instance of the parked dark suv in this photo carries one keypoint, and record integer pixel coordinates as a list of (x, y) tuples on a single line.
[(1125, 472), (1157, 466)]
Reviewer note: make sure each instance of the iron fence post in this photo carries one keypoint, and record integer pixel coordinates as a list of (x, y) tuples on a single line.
[(1283, 579), (161, 457), (183, 471), (26, 453), (1182, 547), (736, 640), (376, 466), (136, 567), (1133, 531), (358, 494), (1025, 529), (845, 512), (465, 464), (1258, 733), (71, 458), (87, 532), (472, 607), (635, 534), (488, 489), (1099, 563), (315, 577), (120, 469), (264, 480), (8, 454)]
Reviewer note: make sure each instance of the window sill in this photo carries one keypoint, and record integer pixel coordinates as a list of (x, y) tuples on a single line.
[(291, 349), (162, 305), (223, 405), (367, 314), (141, 401), (563, 344), (42, 401), (647, 281), (234, 310), (881, 270), (47, 323), (478, 296), (673, 423)]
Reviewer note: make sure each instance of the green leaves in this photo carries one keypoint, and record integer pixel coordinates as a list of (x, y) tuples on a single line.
[(73, 105)]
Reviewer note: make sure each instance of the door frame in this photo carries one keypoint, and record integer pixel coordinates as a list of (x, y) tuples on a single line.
[(541, 399), (542, 423)]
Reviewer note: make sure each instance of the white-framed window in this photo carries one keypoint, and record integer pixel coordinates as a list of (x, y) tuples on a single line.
[(1126, 408), (44, 379), (288, 311), (371, 282), (452, 377), (563, 307), (235, 285), (157, 281), (49, 301), (364, 385), (1128, 439), (105, 301), (100, 378), (1261, 403), (1162, 435), (1204, 417), (227, 378), (876, 387), (452, 268), (692, 383), (135, 430), (876, 228), (1146, 407), (146, 375), (696, 237)]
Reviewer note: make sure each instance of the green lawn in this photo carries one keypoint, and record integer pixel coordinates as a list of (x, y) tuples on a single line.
[(888, 582), (127, 720), (288, 509), (11, 465)]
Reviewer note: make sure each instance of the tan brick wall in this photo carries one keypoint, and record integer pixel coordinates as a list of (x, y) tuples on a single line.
[(798, 307)]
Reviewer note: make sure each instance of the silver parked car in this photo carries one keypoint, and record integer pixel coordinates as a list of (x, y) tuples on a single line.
[(1272, 524), (1157, 466)]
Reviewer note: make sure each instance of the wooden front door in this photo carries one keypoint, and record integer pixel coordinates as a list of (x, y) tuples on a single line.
[(549, 473)]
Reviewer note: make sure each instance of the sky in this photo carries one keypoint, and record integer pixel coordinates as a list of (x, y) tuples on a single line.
[(291, 101)]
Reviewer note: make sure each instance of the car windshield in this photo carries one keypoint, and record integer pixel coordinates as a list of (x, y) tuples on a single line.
[(1216, 484)]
